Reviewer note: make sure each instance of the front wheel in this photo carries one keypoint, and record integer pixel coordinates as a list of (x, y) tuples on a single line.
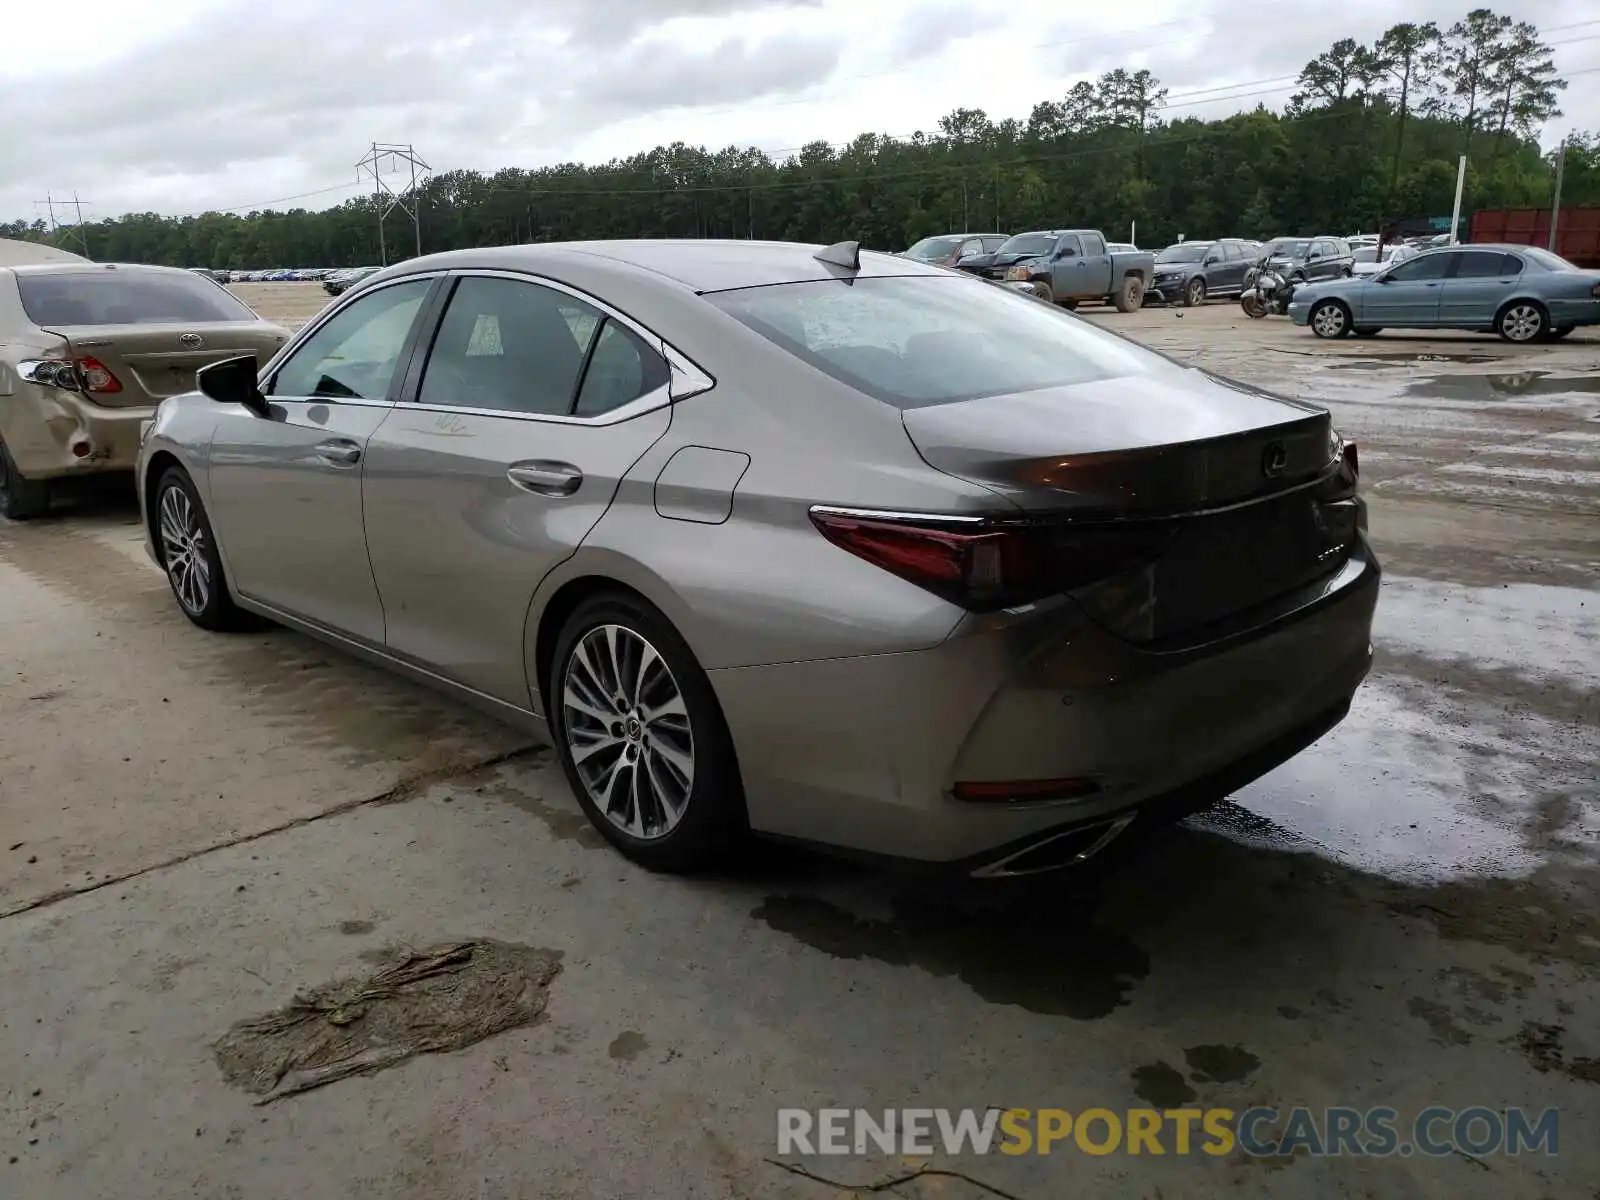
[(1130, 296), (1042, 290), (641, 737), (1329, 319), (1522, 321), (1252, 306), (1194, 294), (21, 499), (189, 555)]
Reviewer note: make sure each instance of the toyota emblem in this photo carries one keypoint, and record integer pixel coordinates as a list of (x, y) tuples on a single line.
[(1274, 460), (191, 341)]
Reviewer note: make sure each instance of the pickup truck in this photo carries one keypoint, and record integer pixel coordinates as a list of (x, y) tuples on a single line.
[(1066, 266)]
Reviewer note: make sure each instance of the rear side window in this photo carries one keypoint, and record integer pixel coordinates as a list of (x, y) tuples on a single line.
[(917, 341), (126, 296), (621, 369), (1481, 264), (1093, 243)]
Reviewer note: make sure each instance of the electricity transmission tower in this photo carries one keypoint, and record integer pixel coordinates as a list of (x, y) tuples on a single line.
[(400, 161), (50, 204)]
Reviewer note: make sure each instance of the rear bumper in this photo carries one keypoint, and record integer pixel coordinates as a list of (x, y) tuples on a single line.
[(862, 753), (1574, 312), (53, 433)]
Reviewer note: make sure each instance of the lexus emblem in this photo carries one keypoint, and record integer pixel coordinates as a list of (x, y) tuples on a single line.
[(1274, 460), (191, 341)]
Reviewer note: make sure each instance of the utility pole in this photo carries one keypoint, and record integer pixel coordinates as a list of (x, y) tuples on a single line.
[(406, 162), (998, 228), (1455, 217), (1555, 204)]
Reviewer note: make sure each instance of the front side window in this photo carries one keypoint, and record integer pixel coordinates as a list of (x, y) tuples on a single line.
[(1427, 266), (126, 296), (353, 356), (1068, 246), (918, 341)]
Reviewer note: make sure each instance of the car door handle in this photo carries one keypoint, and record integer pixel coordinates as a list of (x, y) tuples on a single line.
[(339, 452), (545, 478)]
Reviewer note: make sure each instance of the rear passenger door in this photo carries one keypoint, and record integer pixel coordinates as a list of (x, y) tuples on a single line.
[(1471, 295), (511, 435), (1096, 266), (1235, 262)]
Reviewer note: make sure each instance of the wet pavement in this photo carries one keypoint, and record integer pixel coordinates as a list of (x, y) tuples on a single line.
[(1405, 914)]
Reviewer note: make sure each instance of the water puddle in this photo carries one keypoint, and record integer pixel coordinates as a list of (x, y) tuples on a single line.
[(1497, 386), (1385, 362)]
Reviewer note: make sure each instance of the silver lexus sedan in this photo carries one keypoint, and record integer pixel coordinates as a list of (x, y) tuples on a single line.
[(820, 544)]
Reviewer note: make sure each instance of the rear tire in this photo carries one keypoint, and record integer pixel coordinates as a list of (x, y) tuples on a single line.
[(1194, 293), (1329, 319), (21, 499), (1522, 322), (188, 548), (1130, 296), (637, 726)]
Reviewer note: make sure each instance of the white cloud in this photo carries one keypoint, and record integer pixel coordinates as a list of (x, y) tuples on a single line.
[(183, 105)]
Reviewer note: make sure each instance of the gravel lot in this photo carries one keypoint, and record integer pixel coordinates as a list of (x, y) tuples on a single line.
[(197, 828)]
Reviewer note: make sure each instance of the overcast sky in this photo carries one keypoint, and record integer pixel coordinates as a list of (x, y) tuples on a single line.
[(179, 106)]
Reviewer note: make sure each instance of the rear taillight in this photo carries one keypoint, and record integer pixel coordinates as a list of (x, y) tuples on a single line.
[(96, 376), (984, 564), (74, 375)]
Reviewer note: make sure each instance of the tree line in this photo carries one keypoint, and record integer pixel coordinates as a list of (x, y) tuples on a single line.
[(1371, 134)]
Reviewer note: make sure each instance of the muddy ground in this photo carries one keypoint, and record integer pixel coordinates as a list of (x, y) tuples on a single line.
[(195, 829)]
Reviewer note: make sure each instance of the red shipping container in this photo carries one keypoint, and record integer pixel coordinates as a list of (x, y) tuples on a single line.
[(1577, 231)]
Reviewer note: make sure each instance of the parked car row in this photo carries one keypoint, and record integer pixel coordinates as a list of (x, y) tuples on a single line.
[(336, 283)]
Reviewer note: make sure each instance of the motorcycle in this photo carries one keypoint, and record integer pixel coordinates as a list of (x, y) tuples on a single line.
[(1266, 293)]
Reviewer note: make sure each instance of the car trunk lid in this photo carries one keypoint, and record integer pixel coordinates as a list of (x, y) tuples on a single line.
[(152, 362), (1223, 478)]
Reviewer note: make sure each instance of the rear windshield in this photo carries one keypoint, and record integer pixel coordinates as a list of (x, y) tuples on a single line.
[(914, 341), (1547, 260), (126, 297)]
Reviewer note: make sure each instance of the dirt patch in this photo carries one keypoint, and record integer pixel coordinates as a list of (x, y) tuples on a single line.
[(419, 1002)]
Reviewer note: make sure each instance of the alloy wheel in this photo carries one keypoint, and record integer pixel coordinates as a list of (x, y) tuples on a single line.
[(183, 549), (627, 731), (1522, 323), (1328, 320)]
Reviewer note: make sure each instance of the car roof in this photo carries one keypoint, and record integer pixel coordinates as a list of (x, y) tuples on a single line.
[(84, 267), (15, 253), (698, 264)]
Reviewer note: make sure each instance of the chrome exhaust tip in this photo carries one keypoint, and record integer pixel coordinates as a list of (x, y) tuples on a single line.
[(1059, 852)]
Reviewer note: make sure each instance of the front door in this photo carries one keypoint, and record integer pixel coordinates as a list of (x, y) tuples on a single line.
[(1471, 295), (507, 448), (1406, 296), (285, 492)]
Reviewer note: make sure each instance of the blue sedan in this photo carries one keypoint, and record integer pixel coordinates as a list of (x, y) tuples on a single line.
[(1523, 293)]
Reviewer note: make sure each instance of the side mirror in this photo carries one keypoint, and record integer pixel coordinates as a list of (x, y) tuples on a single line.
[(1211, 261), (233, 381)]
